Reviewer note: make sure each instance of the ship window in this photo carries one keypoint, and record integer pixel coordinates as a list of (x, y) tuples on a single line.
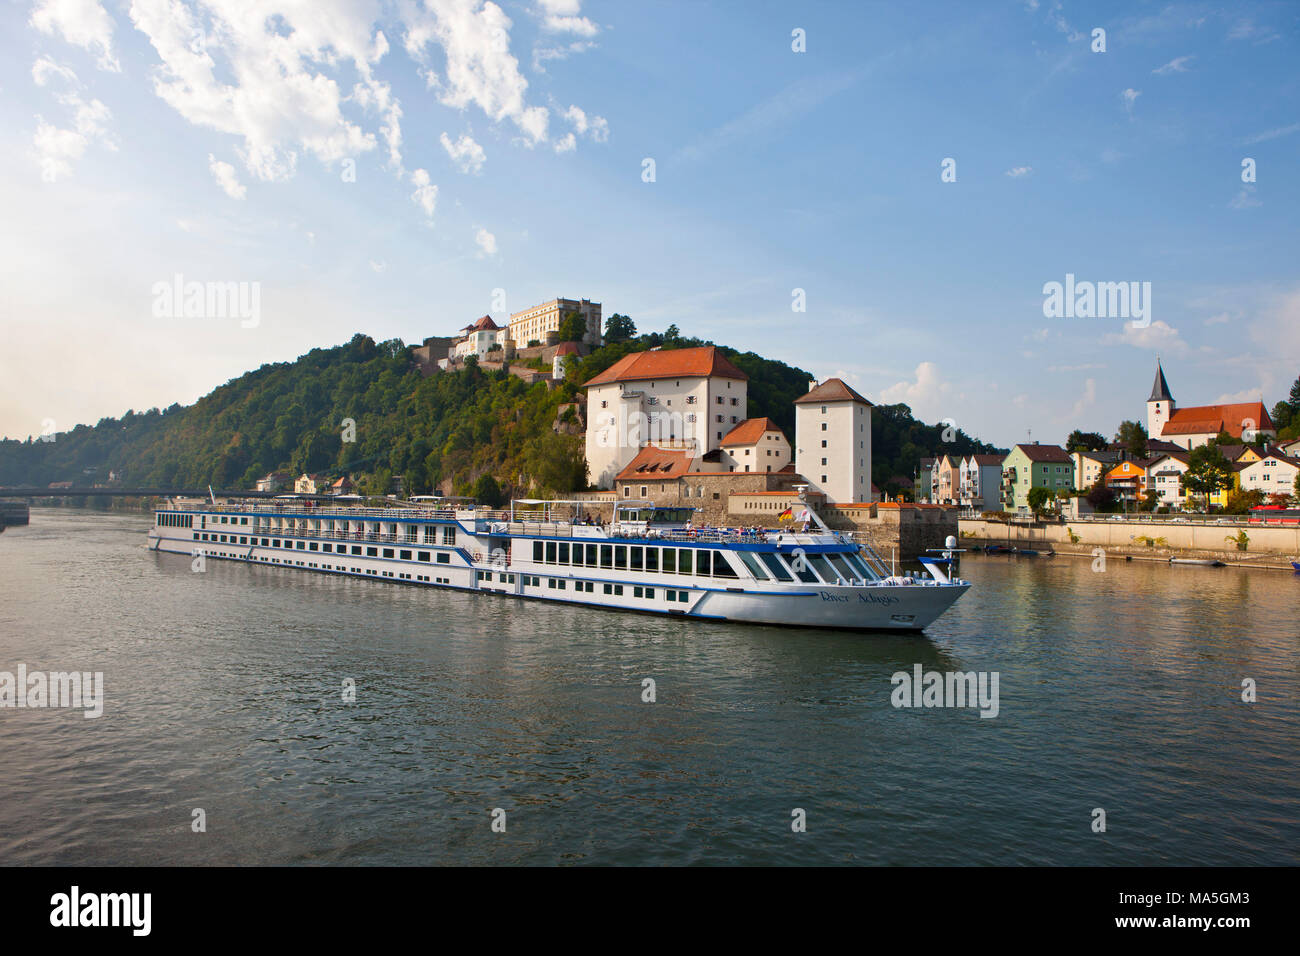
[(356, 549), (752, 564), (803, 569), (650, 593), (606, 556), (843, 567), (609, 589), (537, 551), (423, 555), (405, 555), (300, 545), (683, 561), (564, 552), (444, 557), (275, 542), (635, 557), (722, 567), (327, 547), (823, 568), (705, 563), (775, 566), (313, 547), (652, 559), (638, 592), (578, 554), (670, 561), (550, 552), (372, 552), (448, 535), (620, 557)]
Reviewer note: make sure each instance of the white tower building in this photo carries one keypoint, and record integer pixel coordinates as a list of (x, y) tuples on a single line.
[(833, 441)]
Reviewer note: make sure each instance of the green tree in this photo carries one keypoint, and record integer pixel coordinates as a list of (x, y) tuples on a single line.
[(573, 328), (619, 328), (488, 492), (672, 335), (1084, 441), (1207, 472), (1039, 498), (1133, 435)]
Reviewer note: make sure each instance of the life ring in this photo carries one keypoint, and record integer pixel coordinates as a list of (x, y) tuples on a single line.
[(478, 557)]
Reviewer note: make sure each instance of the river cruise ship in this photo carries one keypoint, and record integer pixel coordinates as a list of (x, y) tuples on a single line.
[(645, 558)]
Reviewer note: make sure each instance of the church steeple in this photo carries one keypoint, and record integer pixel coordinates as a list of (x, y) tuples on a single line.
[(1160, 406), (1160, 389)]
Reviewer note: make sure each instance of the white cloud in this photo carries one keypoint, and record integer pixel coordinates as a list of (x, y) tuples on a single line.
[(593, 126), (479, 69), (1128, 98), (57, 148), (280, 100), (1087, 400), (1247, 30), (562, 16), (925, 395), (44, 68), (226, 178), (1245, 395), (486, 242), (1177, 65), (542, 54), (566, 143), (83, 23), (1159, 336), (468, 155), (1245, 199), (426, 194), (378, 266), (1015, 172), (1273, 134)]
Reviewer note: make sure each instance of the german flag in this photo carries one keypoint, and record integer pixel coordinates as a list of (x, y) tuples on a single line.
[(786, 515)]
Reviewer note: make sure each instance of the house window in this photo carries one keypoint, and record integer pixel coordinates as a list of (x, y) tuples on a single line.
[(643, 491), (823, 426)]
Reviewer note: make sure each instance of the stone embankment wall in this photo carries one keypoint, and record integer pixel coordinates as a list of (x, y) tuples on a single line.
[(1192, 538)]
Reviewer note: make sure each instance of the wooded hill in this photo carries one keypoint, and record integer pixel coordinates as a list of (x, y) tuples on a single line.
[(462, 425)]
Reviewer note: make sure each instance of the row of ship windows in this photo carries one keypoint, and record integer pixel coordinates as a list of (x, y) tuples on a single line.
[(441, 557), (622, 557), (762, 565), (407, 531), (330, 567), (585, 587)]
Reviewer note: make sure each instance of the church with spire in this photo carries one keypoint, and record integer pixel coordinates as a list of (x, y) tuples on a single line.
[(1247, 422)]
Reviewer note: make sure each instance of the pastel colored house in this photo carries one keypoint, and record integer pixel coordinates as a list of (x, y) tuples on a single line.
[(1165, 474), (980, 487), (1128, 479), (756, 444), (1273, 474), (1034, 466)]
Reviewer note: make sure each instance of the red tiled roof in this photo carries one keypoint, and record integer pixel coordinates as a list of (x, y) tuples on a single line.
[(484, 324), (653, 463), (567, 348), (831, 390), (702, 362), (1054, 453), (1212, 419), (750, 432)]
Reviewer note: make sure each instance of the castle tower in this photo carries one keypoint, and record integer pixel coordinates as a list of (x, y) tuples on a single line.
[(832, 426), (1160, 406)]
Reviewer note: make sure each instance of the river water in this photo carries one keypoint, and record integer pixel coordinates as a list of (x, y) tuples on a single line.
[(1119, 690)]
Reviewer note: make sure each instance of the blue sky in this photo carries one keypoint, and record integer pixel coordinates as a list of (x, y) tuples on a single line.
[(151, 138)]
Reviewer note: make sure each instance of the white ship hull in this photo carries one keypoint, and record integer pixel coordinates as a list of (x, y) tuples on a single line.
[(463, 552)]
